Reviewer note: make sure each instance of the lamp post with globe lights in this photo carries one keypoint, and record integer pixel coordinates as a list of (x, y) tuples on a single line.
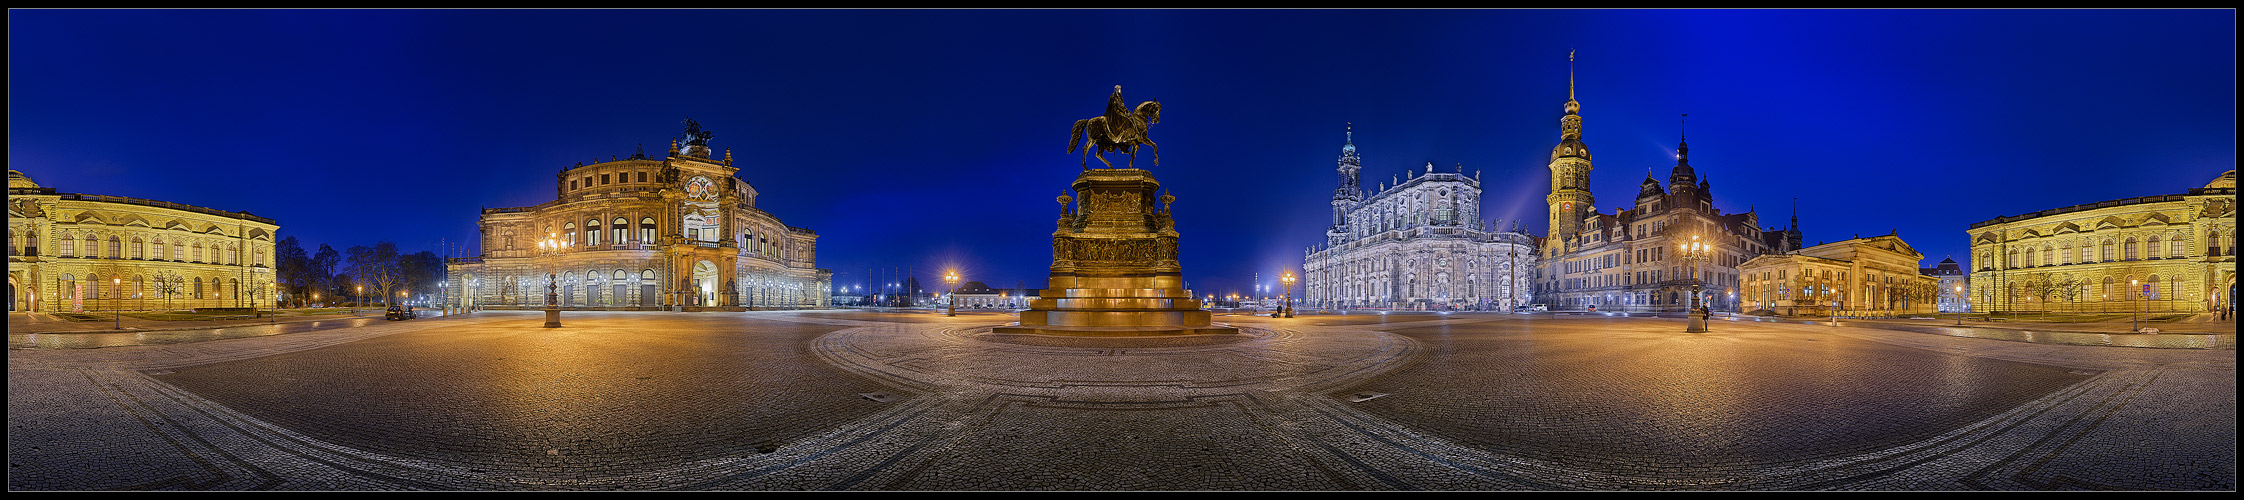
[(552, 246), (951, 278), (1287, 278), (1693, 252)]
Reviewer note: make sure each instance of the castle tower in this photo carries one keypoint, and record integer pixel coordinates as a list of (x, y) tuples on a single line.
[(1683, 182), (1570, 168)]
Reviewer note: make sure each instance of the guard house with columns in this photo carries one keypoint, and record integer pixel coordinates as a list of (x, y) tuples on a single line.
[(681, 232)]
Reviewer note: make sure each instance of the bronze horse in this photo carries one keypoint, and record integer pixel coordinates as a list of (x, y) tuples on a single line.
[(1116, 131)]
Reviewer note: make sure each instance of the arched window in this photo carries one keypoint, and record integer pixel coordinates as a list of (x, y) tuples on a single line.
[(178, 250), (2048, 255), (647, 275), (2065, 253), (139, 248), (2176, 248), (234, 257), (2010, 261), (2151, 249), (592, 231), (69, 247), (93, 247), (198, 252), (197, 291), (2212, 243), (617, 230), (570, 231), (619, 275), (2029, 257), (2129, 248), (161, 254), (2105, 253), (646, 230), (2152, 284)]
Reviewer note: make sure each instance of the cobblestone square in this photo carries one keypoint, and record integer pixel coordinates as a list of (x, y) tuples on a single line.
[(914, 401)]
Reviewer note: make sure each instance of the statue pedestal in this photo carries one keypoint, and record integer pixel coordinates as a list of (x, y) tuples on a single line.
[(1114, 265)]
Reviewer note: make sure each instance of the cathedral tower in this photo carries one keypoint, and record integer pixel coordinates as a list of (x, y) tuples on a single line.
[(1348, 194), (1570, 168)]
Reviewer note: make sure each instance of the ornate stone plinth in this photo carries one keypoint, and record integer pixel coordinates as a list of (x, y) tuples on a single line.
[(1114, 265)]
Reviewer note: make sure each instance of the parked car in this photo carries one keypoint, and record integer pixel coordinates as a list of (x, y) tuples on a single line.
[(1593, 308), (400, 313)]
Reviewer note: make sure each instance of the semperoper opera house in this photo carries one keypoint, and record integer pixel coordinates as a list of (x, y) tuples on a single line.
[(77, 253), (2173, 252), (642, 233), (1418, 244)]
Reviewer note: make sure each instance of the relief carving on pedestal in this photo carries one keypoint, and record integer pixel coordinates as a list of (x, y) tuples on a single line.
[(1071, 251)]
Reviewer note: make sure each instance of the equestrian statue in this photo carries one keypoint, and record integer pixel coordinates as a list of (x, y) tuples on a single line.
[(1119, 130)]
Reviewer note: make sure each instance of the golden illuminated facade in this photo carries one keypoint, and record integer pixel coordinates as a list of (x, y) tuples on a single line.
[(2174, 252), (71, 252), (1873, 276), (643, 233)]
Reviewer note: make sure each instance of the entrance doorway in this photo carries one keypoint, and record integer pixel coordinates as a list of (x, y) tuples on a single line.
[(705, 283)]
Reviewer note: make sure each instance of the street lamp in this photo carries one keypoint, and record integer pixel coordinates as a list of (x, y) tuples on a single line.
[(550, 247), (1692, 253), (119, 312), (951, 278), (2136, 323), (1960, 313), (358, 293), (1287, 292)]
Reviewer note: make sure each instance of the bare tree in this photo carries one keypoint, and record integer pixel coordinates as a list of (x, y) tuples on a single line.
[(377, 266), (167, 283), (2067, 287)]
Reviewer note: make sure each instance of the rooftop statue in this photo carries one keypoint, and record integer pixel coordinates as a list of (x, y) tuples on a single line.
[(1120, 129), (695, 136)]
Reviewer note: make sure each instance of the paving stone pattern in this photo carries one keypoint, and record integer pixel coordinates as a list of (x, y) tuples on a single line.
[(838, 400)]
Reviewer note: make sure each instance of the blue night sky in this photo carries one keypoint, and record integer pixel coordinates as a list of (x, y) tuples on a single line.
[(926, 138)]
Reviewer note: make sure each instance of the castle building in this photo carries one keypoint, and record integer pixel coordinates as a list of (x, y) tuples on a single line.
[(1418, 244), (642, 233), (2174, 252), (75, 253), (1955, 285), (1627, 260)]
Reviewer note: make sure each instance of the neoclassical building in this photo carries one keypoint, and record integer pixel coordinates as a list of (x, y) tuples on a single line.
[(644, 233), (1876, 275), (1627, 260), (1419, 244), (2173, 252), (70, 252)]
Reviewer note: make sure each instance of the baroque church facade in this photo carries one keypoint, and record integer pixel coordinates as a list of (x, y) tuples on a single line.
[(1418, 244), (1628, 260), (681, 232)]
